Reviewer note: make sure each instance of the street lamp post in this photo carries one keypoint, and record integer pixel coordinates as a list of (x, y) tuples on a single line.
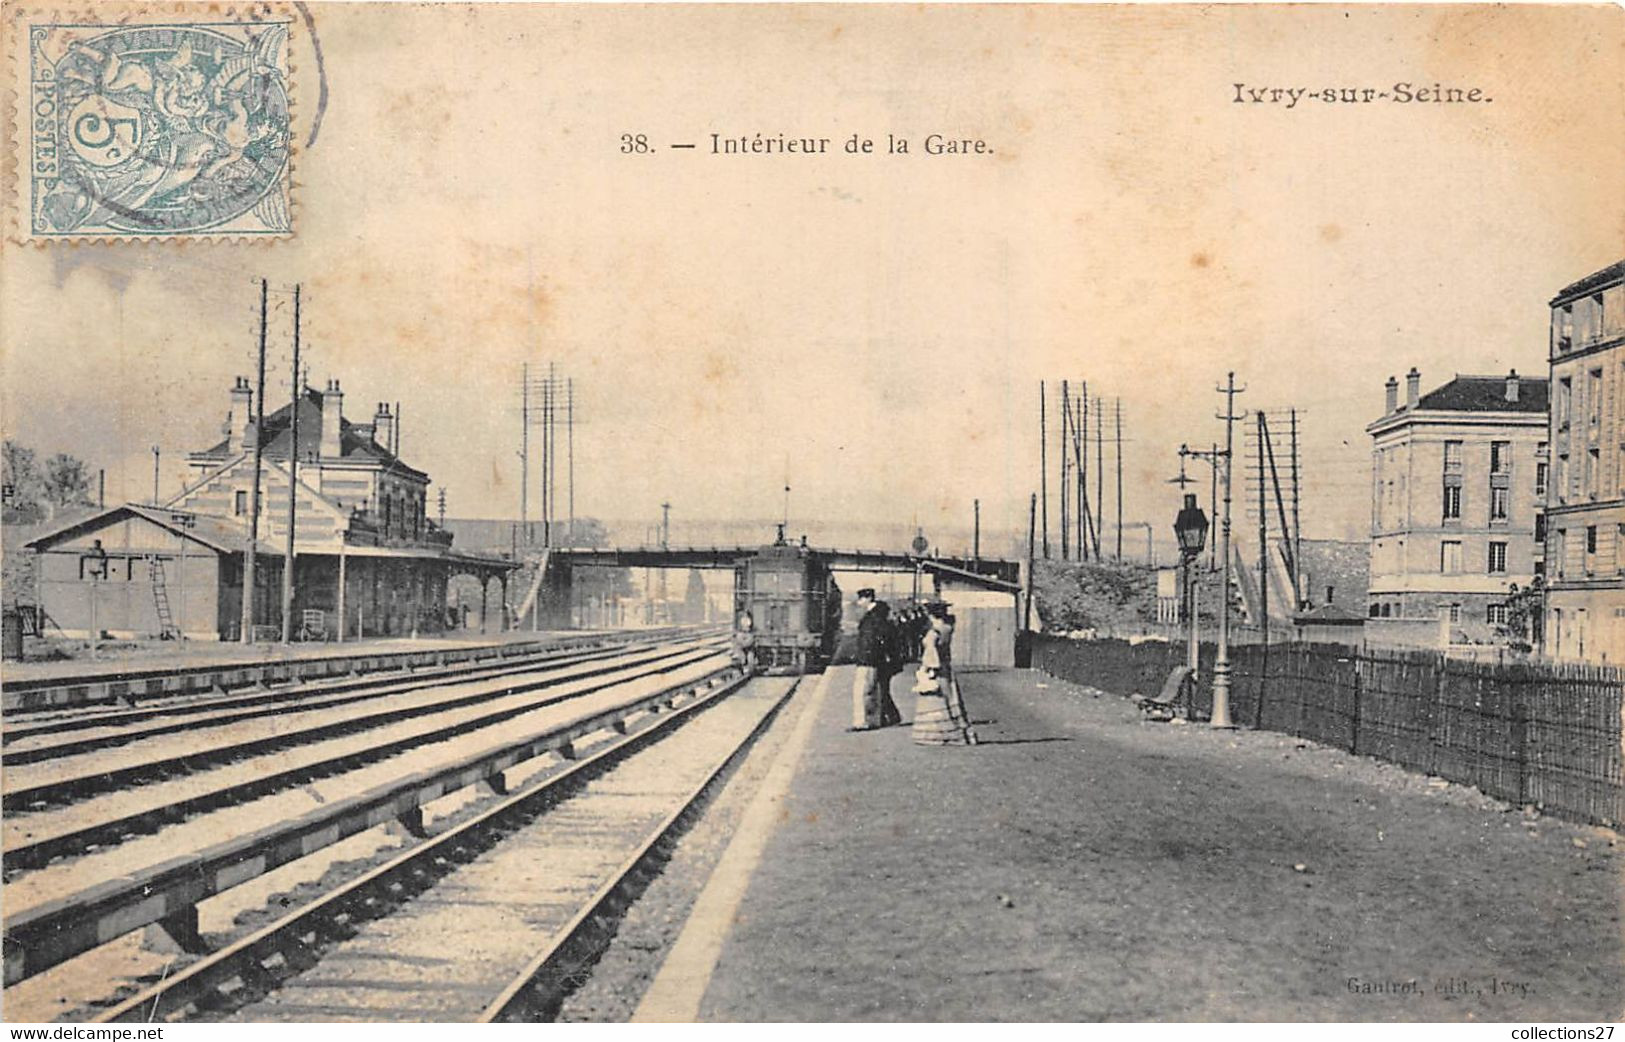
[(1190, 526)]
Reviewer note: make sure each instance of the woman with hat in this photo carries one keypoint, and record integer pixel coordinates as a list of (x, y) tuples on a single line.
[(939, 713)]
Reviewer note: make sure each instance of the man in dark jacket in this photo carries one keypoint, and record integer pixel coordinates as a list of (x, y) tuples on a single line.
[(870, 656)]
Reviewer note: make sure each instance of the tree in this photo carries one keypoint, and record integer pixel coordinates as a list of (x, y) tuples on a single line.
[(25, 488), (1524, 606), (67, 484)]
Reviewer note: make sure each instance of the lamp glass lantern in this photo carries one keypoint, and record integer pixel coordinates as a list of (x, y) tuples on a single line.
[(1190, 526)]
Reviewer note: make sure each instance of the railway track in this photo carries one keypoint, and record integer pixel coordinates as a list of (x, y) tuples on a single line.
[(65, 911), (95, 771), (338, 742), (497, 917), (31, 737)]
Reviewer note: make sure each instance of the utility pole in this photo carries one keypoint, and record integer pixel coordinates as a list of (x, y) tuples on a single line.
[(976, 531), (570, 421), (395, 433), (1263, 540), (1119, 458), (1100, 472), (1297, 533), (293, 479), (252, 552), (1043, 462), (552, 498), (524, 449), (1080, 447), (1027, 602), (1213, 503), (1221, 665), (155, 454), (1066, 422)]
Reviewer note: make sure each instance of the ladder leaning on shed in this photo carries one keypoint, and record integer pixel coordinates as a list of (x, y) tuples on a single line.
[(167, 630)]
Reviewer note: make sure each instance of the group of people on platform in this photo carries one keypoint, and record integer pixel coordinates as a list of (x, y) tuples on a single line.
[(884, 645)]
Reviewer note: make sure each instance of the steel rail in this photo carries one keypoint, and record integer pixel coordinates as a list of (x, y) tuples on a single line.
[(270, 697), (304, 700), (293, 936), (48, 693), (236, 709), (537, 990), (167, 893), (42, 851), (95, 781)]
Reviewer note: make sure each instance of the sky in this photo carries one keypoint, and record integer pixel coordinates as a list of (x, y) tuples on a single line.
[(871, 328)]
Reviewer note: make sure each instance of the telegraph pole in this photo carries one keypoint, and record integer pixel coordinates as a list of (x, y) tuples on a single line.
[(293, 479), (1263, 540), (155, 454), (1043, 462), (524, 449), (570, 426), (1221, 665), (552, 453), (1297, 533), (1027, 602), (247, 635), (976, 531), (1119, 456), (1066, 422), (1100, 472), (1080, 448)]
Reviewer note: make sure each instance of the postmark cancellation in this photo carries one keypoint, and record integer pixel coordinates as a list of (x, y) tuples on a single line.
[(152, 125)]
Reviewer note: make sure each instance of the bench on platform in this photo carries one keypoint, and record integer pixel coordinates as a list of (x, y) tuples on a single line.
[(1176, 695)]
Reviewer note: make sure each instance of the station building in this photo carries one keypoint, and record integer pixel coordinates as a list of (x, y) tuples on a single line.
[(368, 559), (1459, 480), (1585, 509)]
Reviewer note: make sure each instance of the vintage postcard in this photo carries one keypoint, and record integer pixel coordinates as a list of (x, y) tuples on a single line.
[(847, 513)]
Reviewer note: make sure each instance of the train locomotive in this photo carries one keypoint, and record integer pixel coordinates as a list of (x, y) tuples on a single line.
[(787, 609)]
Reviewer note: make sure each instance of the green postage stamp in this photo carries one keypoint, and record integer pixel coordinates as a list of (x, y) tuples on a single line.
[(154, 129)]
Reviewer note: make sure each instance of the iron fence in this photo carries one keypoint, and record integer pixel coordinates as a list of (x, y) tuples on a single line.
[(1548, 734)]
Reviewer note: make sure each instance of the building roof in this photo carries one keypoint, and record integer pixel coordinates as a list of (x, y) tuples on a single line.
[(1600, 279), (217, 533), (354, 446), (1487, 394)]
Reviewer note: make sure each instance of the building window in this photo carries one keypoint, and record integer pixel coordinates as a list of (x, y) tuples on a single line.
[(1450, 557), (1498, 505), (1500, 457), (1496, 615), (1375, 609), (1387, 611), (1591, 539), (1594, 396), (1560, 548), (239, 503), (1565, 327), (1593, 471), (1452, 457), (1452, 502), (1450, 611), (1565, 397), (1541, 470), (1563, 478), (1540, 528), (1498, 558)]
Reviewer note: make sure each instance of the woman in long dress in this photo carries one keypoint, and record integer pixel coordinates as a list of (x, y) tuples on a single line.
[(939, 713)]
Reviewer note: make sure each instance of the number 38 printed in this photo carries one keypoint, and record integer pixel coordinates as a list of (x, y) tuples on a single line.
[(635, 144)]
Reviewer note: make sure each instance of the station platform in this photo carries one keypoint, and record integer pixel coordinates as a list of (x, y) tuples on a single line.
[(1083, 865)]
